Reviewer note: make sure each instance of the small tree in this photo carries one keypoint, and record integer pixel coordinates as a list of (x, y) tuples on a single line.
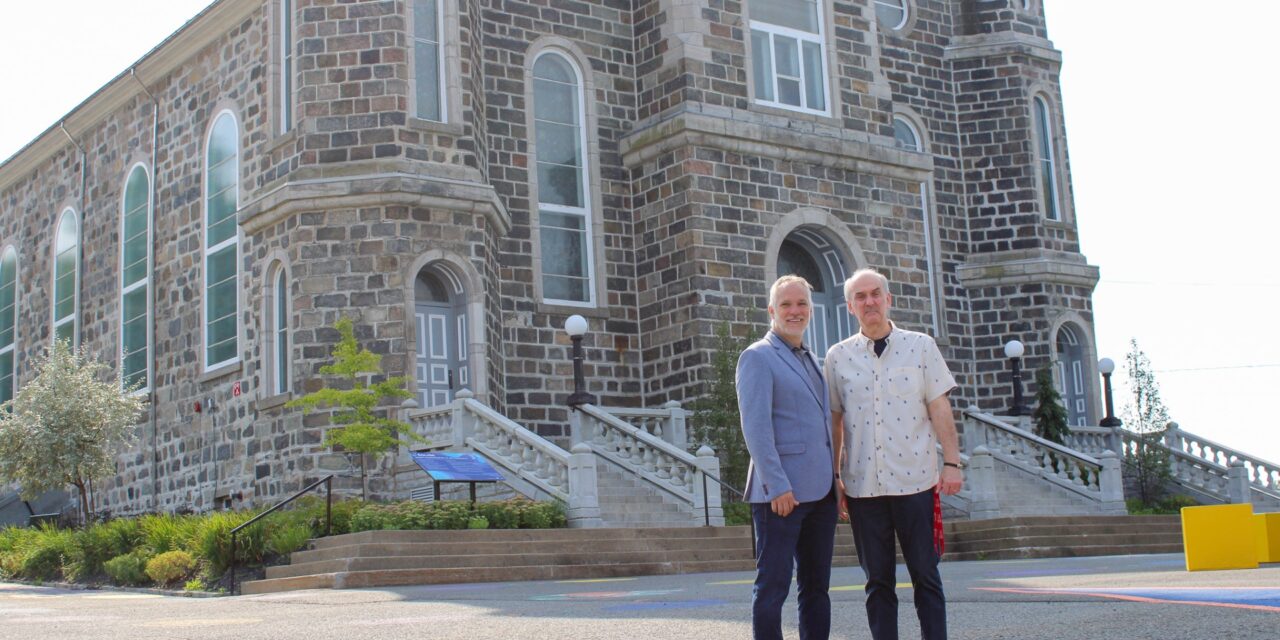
[(66, 425), (715, 421), (1145, 415), (359, 430), (1049, 415)]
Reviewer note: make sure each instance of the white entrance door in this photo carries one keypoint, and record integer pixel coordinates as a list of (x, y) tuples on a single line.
[(437, 354), (1071, 376)]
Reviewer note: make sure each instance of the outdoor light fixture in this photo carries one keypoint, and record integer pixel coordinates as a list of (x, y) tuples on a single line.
[(1106, 366), (1013, 350), (576, 327)]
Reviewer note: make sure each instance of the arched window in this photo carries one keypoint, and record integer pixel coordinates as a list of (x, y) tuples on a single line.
[(891, 14), (428, 60), (135, 280), (564, 216), (905, 135), (277, 315), (806, 253), (66, 279), (286, 65), (8, 320), (788, 54), (221, 243), (1047, 155)]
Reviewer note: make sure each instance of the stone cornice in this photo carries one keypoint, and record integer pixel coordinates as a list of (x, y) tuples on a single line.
[(1001, 43), (212, 23), (817, 145), (1021, 267), (375, 184)]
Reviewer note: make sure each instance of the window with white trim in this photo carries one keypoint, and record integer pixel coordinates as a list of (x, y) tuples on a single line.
[(905, 135), (428, 60), (564, 215), (221, 243), (66, 279), (135, 280), (286, 65), (788, 54), (892, 14), (1046, 155), (278, 325), (8, 321)]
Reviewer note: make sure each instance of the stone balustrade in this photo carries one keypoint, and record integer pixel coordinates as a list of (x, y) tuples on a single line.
[(668, 423)]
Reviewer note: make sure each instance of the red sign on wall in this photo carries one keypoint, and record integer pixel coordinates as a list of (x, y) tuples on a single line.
[(235, 389)]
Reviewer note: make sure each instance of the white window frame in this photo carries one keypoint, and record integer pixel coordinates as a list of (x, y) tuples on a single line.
[(919, 148), (74, 317), (1046, 154), (234, 240), (144, 283), (904, 5), (819, 39), (12, 346), (278, 328), (442, 96), (584, 176), (287, 63)]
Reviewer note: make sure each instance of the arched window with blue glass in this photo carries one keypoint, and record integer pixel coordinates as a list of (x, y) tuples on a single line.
[(66, 279), (8, 321), (806, 253), (221, 243)]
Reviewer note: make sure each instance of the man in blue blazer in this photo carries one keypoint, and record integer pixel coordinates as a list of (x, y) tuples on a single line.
[(786, 422)]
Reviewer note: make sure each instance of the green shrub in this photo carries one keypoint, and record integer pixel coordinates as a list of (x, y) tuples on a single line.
[(542, 515), (194, 584), (128, 569), (284, 540), (737, 513), (97, 543), (14, 542), (166, 532), (501, 514), (478, 522), (450, 515), (1164, 506), (170, 567), (212, 540), (46, 553)]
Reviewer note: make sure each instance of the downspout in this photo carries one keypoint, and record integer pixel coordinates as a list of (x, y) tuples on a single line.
[(151, 326)]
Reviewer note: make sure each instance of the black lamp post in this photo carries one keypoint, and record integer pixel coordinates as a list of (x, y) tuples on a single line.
[(576, 327), (1105, 367), (1013, 350)]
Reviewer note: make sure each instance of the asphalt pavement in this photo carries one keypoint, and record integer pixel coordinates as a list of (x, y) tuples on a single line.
[(1148, 596)]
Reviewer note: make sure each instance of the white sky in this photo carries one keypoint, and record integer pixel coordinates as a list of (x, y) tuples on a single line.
[(1171, 128)]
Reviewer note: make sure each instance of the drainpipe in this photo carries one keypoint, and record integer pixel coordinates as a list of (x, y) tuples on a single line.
[(151, 326)]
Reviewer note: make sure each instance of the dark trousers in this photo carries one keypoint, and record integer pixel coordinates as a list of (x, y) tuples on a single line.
[(804, 539), (874, 522)]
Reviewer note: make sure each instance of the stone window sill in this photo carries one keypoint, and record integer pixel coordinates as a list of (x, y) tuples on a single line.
[(271, 402), (221, 372), (283, 140), (431, 126)]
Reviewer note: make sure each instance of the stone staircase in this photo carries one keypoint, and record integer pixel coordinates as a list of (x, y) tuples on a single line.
[(627, 502), (390, 558), (1022, 494)]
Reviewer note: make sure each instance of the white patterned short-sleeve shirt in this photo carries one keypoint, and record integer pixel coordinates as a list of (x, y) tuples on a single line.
[(889, 445)]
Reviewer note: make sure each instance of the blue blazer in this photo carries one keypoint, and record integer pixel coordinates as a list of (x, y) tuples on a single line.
[(786, 423)]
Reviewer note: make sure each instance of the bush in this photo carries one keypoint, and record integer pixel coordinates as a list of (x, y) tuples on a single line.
[(46, 553), (518, 513), (170, 567), (97, 543), (212, 540), (167, 532), (1164, 506), (500, 514), (284, 540), (542, 515), (194, 584), (128, 569), (478, 522), (737, 513), (13, 544)]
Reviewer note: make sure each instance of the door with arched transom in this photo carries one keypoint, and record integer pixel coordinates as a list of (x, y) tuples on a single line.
[(807, 254), (1072, 381), (441, 324)]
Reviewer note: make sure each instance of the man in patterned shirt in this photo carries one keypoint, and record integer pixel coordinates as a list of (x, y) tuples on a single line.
[(889, 411)]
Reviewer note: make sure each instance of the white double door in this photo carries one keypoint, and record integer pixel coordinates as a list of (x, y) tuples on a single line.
[(442, 353)]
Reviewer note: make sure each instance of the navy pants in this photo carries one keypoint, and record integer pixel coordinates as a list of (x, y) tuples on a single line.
[(804, 539), (874, 522)]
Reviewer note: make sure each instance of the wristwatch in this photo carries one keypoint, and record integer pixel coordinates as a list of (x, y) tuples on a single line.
[(958, 465)]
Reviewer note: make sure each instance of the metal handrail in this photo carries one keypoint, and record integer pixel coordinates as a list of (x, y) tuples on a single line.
[(328, 518)]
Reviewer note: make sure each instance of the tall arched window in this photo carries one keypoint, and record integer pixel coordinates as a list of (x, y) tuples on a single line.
[(277, 328), (8, 320), (428, 60), (564, 216), (1047, 155), (135, 279), (286, 65), (905, 135), (66, 279), (221, 243)]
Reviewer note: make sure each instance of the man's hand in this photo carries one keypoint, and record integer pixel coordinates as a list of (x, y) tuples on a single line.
[(784, 504), (842, 505), (952, 480)]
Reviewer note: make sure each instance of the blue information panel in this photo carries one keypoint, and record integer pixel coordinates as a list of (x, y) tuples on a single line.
[(456, 467)]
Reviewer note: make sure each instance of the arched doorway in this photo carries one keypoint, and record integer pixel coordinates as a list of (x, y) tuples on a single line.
[(1071, 376), (807, 254), (441, 320)]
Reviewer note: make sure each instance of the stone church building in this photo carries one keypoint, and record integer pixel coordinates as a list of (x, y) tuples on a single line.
[(460, 176)]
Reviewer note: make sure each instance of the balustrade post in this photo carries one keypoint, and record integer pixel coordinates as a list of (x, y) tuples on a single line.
[(1111, 483), (584, 496), (677, 431), (984, 501), (463, 422), (576, 432), (706, 495), (1238, 483)]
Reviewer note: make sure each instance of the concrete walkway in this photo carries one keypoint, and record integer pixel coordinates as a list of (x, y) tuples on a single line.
[(1146, 596)]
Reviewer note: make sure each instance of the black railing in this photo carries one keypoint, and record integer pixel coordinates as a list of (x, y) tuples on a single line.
[(328, 518)]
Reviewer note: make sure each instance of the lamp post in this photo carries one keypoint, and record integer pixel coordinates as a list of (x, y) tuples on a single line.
[(576, 327), (1013, 350), (1106, 366)]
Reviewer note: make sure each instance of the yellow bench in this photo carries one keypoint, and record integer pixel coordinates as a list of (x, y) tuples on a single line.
[(1268, 536), (1211, 537)]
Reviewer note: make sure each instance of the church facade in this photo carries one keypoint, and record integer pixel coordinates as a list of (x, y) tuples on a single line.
[(460, 176)]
